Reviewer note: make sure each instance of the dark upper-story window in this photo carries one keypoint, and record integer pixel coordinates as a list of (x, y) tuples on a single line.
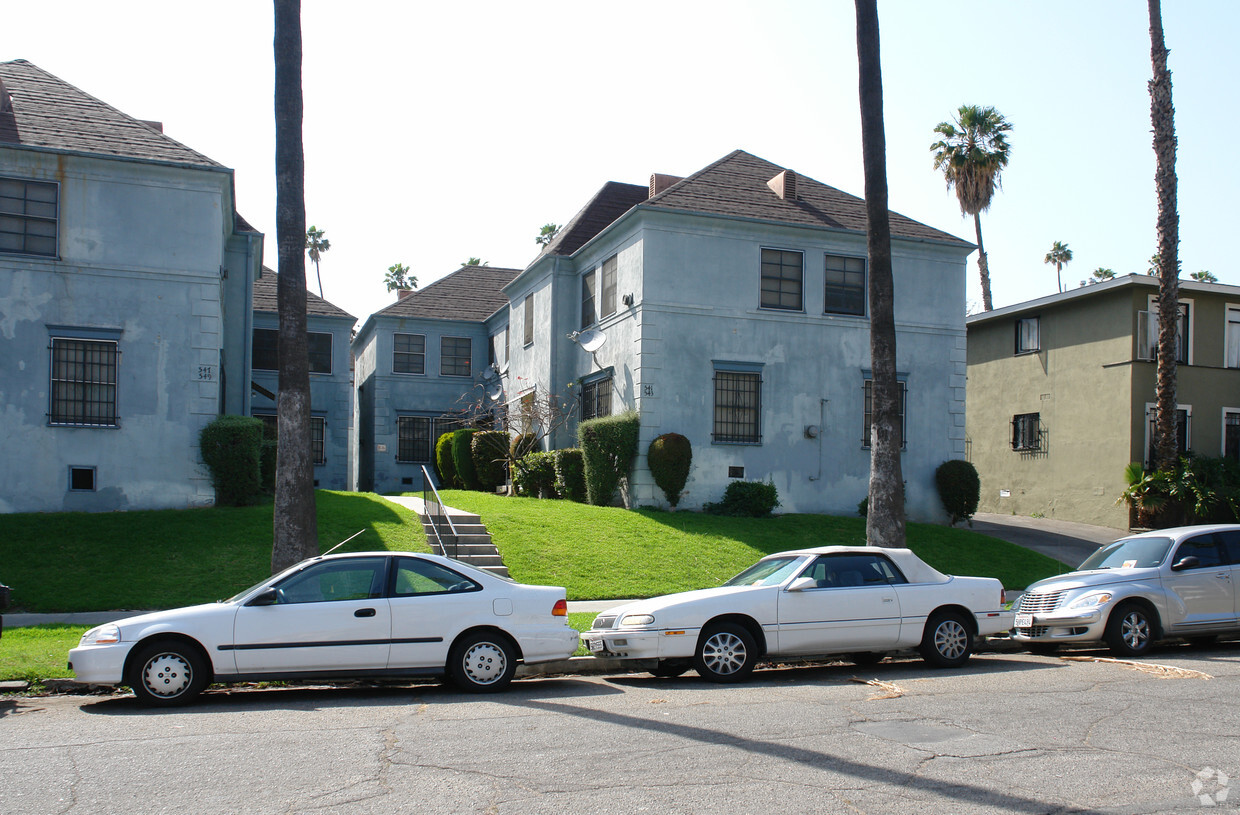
[(28, 217), (83, 382), (589, 316), (782, 274), (901, 421), (845, 285), (456, 356), (607, 288), (265, 351), (528, 327), (1028, 335), (409, 353)]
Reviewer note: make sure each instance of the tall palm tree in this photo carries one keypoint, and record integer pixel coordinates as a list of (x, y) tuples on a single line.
[(316, 245), (971, 155), (1102, 273), (1059, 255), (1162, 116), (294, 527), (884, 521)]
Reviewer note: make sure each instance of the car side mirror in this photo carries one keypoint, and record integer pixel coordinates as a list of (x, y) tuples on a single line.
[(803, 583), (1187, 562), (267, 597)]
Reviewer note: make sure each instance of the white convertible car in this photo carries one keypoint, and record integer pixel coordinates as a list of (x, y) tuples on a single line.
[(372, 614), (855, 600)]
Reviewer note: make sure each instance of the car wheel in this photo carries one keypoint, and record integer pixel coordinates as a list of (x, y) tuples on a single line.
[(168, 673), (671, 667), (484, 662), (726, 653), (947, 641), (866, 657), (1130, 631)]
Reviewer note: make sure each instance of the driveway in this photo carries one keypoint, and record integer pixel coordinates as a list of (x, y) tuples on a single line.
[(1067, 542)]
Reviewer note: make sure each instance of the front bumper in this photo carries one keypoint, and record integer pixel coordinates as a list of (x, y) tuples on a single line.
[(546, 645), (1063, 626), (623, 643), (100, 664)]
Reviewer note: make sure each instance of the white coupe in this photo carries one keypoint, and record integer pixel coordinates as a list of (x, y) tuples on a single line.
[(855, 600), (371, 614)]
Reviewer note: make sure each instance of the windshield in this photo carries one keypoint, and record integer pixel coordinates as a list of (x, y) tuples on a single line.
[(1129, 553), (769, 572)]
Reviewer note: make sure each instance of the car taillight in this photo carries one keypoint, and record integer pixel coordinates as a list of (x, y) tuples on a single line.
[(1002, 598), (560, 609)]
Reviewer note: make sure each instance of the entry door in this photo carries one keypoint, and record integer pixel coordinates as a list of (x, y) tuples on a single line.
[(853, 607), (1202, 597)]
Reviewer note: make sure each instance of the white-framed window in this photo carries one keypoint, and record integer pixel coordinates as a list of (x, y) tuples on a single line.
[(1028, 335), (1184, 438), (409, 353), (1147, 332)]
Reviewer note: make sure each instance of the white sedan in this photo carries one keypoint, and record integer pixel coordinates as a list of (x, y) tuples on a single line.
[(371, 614), (856, 600)]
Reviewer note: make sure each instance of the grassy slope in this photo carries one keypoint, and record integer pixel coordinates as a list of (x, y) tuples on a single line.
[(607, 552)]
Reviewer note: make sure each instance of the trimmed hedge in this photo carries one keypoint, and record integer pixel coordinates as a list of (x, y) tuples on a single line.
[(463, 458), (534, 475), (570, 474), (959, 489), (443, 462), (669, 458), (748, 499), (608, 446), (489, 449), (231, 447)]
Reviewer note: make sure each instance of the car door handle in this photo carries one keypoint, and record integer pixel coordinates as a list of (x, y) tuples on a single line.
[(364, 612)]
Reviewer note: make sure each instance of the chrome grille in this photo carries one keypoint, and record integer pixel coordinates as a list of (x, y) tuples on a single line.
[(604, 621), (1036, 631), (1038, 603)]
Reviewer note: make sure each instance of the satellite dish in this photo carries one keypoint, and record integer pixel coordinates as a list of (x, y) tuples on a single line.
[(488, 374), (495, 391), (592, 339), (504, 368)]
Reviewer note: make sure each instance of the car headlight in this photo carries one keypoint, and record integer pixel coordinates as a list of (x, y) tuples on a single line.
[(102, 635), (637, 619), (1093, 600)]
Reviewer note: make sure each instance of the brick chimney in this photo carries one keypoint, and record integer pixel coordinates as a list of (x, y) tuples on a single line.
[(659, 182), (401, 294), (784, 185)]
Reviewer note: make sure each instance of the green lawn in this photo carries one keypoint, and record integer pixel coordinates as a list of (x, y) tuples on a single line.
[(38, 652), (608, 552)]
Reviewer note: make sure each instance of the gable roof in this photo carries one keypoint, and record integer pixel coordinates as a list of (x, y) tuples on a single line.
[(470, 293), (736, 185), (48, 113), (265, 299)]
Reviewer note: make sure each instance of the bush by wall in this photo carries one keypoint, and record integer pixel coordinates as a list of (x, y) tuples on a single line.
[(669, 458), (608, 446), (748, 499), (534, 475), (231, 447), (443, 462), (959, 489), (522, 445), (490, 454), (570, 474), (1198, 490), (463, 458)]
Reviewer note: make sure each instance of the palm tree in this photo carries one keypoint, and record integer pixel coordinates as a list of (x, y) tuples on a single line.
[(294, 526), (972, 154), (1102, 273), (884, 521), (316, 244), (1059, 255), (1204, 276), (1162, 116)]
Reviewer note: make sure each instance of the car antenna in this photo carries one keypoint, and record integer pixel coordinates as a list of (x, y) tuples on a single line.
[(342, 543)]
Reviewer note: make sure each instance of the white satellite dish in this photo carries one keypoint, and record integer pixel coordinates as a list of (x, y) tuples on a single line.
[(591, 339), (495, 391), (488, 373)]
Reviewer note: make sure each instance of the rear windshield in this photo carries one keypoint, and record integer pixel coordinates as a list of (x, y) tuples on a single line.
[(1129, 553)]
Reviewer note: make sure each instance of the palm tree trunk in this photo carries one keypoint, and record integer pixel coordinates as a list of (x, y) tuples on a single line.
[(1162, 116), (884, 524), (294, 525), (983, 265)]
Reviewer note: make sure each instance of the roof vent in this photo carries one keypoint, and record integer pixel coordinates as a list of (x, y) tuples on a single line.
[(659, 182), (784, 185), (6, 101), (158, 127)]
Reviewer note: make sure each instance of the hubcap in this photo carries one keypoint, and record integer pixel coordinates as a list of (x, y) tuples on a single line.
[(724, 653), (950, 639), (167, 675), (485, 663), (1135, 630)]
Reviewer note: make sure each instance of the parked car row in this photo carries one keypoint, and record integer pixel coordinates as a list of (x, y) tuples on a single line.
[(400, 614)]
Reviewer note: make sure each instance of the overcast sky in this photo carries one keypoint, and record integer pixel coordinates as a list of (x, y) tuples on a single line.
[(439, 131)]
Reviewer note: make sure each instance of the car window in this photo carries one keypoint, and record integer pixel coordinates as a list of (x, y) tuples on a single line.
[(1201, 547), (335, 580), (852, 570), (767, 572), (1230, 541), (414, 576), (1129, 553)]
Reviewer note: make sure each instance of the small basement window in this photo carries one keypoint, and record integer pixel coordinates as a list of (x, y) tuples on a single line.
[(81, 479), (736, 472)]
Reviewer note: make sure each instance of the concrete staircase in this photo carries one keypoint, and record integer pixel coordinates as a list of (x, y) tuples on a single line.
[(473, 543)]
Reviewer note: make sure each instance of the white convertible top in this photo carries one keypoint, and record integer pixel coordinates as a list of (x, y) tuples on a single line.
[(914, 568)]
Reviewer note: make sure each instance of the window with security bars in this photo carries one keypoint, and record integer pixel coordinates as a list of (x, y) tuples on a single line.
[(84, 383), (409, 353), (1182, 419), (1231, 435), (28, 217), (901, 440), (455, 356), (596, 399), (738, 407), (265, 350), (782, 273), (318, 434), (845, 286), (1026, 432), (413, 438)]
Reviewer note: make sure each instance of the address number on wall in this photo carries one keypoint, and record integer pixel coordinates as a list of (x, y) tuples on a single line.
[(206, 373)]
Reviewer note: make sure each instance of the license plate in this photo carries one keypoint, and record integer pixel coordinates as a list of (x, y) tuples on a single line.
[(1024, 621), (594, 645)]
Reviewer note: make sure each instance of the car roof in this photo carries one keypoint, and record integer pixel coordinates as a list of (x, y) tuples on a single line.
[(915, 569), (1182, 531)]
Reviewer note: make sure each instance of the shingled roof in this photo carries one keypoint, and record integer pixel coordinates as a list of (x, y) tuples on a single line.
[(608, 204), (265, 299), (49, 113), (469, 293)]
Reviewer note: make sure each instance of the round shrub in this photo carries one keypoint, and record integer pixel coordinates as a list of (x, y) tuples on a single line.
[(748, 499), (669, 458), (490, 449), (231, 447), (443, 462), (959, 489), (463, 458), (570, 474)]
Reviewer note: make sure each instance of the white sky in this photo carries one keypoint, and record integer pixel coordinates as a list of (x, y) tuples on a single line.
[(436, 131)]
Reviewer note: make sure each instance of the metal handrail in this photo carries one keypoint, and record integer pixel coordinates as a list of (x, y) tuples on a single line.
[(434, 509)]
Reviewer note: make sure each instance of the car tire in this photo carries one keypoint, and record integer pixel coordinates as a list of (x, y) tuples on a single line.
[(1131, 631), (168, 673), (726, 653), (483, 662), (947, 641), (668, 668), (866, 657)]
